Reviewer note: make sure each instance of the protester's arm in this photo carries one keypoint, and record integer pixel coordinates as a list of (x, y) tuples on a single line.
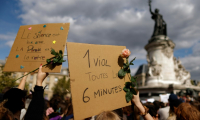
[(41, 76), (138, 104), (36, 108), (23, 82)]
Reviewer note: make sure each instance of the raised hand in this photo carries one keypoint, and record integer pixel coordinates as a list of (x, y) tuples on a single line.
[(41, 76), (23, 82)]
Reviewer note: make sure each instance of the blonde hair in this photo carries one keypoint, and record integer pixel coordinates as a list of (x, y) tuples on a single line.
[(186, 112), (107, 115)]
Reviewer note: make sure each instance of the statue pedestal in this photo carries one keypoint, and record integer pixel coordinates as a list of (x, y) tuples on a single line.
[(161, 61)]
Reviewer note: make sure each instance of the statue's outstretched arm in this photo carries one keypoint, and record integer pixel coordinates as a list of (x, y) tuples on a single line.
[(150, 7)]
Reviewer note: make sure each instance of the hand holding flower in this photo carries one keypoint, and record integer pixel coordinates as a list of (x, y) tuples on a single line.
[(129, 86)]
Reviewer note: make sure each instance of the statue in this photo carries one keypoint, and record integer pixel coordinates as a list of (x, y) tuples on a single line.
[(155, 69), (160, 27)]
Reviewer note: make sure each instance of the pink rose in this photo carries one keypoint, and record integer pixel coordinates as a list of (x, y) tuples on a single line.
[(125, 53)]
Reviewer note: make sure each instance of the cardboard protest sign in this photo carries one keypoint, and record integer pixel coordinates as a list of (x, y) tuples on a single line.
[(164, 98), (94, 80), (33, 44)]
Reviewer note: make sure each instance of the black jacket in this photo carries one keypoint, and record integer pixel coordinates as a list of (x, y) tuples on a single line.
[(36, 108)]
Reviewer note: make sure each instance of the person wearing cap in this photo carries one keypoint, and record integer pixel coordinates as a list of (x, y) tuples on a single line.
[(164, 112), (173, 102)]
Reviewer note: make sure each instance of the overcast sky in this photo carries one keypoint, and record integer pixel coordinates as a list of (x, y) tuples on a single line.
[(110, 22)]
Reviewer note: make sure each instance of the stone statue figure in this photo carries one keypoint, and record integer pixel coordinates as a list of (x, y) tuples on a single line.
[(181, 74), (154, 69), (160, 27)]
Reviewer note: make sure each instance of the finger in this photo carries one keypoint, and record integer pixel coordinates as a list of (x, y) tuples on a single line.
[(25, 76), (40, 68)]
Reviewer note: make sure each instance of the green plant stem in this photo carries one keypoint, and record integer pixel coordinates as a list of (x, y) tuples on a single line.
[(129, 75), (29, 73)]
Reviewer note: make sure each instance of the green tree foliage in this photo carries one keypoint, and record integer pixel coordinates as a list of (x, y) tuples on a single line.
[(62, 87), (6, 80)]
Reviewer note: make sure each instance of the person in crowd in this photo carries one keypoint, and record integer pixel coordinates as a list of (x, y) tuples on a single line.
[(163, 113), (153, 111), (47, 110), (27, 102), (196, 104), (55, 100), (173, 103), (15, 98), (136, 101), (5, 114), (107, 115), (35, 110), (60, 111), (162, 105), (127, 111), (3, 92), (157, 105), (185, 111), (69, 115)]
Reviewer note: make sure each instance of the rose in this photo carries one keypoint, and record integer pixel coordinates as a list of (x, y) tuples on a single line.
[(125, 53)]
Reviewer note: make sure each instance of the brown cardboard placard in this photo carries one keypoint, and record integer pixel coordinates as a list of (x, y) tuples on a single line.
[(33, 44), (95, 85)]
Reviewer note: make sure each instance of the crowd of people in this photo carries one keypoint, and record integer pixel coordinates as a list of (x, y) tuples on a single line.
[(17, 105)]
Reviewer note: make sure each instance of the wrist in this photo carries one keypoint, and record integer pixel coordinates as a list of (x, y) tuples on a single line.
[(38, 83), (140, 107), (138, 103)]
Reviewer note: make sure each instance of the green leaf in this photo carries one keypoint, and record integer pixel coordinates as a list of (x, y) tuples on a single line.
[(121, 73), (133, 60), (133, 79), (133, 91), (53, 52), (55, 60), (129, 96), (131, 64), (127, 84), (60, 61), (128, 71), (48, 61), (125, 66), (133, 85), (126, 89), (60, 52)]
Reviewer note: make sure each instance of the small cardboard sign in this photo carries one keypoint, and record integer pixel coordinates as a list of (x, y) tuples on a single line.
[(164, 98), (94, 80), (33, 44)]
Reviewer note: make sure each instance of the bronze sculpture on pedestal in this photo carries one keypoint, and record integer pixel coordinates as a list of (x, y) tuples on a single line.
[(160, 27)]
